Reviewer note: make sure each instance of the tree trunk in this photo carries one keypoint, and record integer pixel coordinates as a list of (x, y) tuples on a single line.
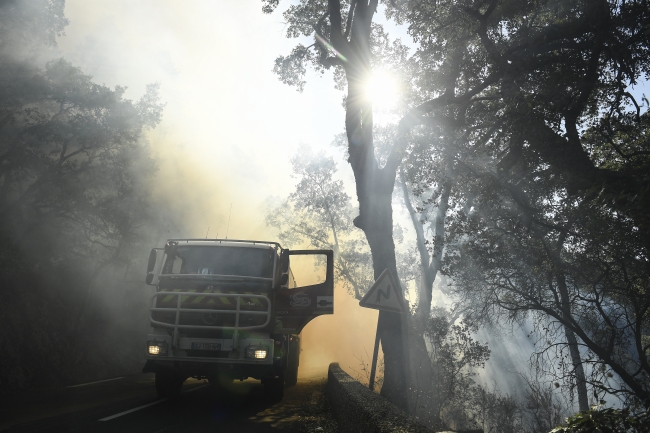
[(423, 392), (376, 220), (426, 287), (429, 265), (424, 388), (374, 185), (439, 234), (578, 369)]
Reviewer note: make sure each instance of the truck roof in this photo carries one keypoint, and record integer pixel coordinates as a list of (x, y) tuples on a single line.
[(226, 243)]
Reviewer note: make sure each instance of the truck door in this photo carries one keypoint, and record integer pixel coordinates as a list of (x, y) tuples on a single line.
[(295, 307)]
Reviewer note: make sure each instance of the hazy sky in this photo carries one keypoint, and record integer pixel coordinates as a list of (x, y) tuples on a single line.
[(230, 126)]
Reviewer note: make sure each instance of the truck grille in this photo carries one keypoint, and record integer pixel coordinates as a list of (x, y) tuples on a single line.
[(230, 311)]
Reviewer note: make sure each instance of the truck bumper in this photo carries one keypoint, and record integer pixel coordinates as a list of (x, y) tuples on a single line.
[(194, 350), (192, 362)]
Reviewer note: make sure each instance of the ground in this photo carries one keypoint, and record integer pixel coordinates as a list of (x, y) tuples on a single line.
[(129, 404)]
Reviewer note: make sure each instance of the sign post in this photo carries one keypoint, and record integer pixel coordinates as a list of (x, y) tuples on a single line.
[(383, 295)]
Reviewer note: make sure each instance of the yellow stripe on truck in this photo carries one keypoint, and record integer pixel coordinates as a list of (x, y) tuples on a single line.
[(170, 297), (185, 298), (210, 300)]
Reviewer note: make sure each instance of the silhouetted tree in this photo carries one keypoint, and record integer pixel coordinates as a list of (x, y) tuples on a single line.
[(30, 25), (319, 212), (73, 202), (530, 89), (545, 149), (342, 32)]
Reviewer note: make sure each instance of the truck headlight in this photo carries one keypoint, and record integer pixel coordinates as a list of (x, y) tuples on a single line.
[(156, 348), (256, 352)]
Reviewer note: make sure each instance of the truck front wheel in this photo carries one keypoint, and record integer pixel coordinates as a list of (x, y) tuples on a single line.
[(291, 373), (168, 384)]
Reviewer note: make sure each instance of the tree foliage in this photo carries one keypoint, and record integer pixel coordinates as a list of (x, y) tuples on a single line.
[(319, 212), (540, 109), (455, 357), (29, 25), (606, 420), (74, 210), (67, 150), (527, 110)]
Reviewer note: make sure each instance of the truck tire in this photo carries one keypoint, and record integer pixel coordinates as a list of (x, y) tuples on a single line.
[(291, 374), (168, 384), (274, 388)]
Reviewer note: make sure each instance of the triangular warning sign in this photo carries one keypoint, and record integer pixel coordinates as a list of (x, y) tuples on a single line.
[(384, 295)]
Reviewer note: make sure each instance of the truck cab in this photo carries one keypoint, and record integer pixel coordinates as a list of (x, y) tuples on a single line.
[(229, 309)]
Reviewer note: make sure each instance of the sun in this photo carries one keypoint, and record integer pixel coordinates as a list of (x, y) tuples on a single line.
[(382, 90)]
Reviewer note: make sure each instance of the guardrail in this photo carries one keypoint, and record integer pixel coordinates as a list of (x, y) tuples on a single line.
[(359, 410)]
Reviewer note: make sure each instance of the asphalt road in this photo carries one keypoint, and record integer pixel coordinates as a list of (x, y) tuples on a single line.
[(130, 404)]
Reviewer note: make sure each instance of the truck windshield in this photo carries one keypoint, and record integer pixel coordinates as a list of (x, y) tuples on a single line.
[(240, 261)]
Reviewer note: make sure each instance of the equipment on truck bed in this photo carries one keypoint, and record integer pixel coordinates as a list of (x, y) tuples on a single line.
[(229, 309)]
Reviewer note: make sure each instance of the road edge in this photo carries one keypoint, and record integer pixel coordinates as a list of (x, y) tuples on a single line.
[(359, 410)]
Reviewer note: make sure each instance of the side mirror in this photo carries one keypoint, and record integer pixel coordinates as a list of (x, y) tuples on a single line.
[(152, 262), (284, 279), (155, 257)]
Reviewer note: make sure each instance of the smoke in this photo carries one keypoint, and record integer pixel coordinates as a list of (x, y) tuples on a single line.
[(229, 126), (223, 146), (232, 116), (227, 134), (211, 152), (347, 337), (510, 351)]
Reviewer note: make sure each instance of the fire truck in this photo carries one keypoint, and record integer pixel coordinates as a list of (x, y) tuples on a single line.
[(230, 309)]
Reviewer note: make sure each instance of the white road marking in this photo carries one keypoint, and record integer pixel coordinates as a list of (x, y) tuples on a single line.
[(108, 418), (97, 381), (194, 389)]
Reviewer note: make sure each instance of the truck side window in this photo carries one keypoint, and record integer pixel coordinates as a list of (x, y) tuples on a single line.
[(306, 270), (174, 264)]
